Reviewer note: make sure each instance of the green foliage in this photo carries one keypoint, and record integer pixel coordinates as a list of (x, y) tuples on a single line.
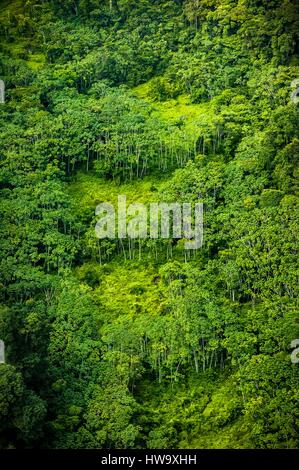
[(22, 412), (141, 343)]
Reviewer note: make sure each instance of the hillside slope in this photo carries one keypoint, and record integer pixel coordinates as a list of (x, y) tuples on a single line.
[(140, 343)]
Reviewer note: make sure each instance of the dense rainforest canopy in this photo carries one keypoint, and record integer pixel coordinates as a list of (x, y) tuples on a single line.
[(141, 343)]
